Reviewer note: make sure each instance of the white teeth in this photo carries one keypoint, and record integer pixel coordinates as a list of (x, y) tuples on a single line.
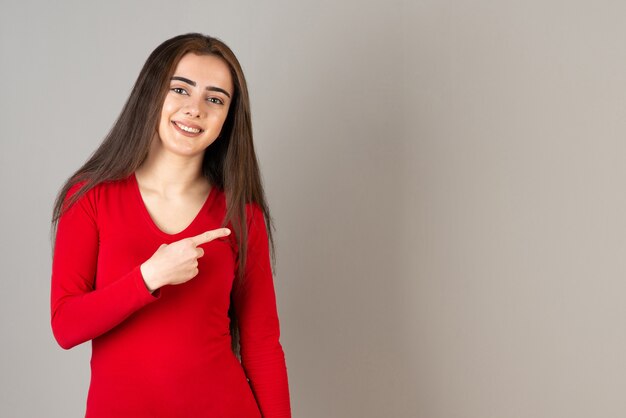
[(187, 129)]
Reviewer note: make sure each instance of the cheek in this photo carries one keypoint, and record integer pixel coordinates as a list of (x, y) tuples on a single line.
[(224, 115), (169, 105), (216, 118), (166, 112), (164, 123)]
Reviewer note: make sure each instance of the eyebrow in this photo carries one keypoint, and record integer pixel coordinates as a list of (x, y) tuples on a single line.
[(193, 83)]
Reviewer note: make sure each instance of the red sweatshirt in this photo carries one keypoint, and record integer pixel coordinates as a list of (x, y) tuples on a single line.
[(167, 353)]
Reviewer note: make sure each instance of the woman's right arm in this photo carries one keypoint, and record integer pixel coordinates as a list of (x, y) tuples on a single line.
[(79, 312)]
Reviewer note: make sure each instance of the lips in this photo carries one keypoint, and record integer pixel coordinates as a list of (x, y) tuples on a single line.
[(184, 132), (188, 124)]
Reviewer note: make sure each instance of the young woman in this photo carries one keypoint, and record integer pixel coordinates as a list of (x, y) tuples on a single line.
[(161, 253)]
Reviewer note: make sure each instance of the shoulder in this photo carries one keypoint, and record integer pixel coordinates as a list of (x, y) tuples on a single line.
[(87, 193), (94, 192), (77, 189), (254, 215), (89, 197)]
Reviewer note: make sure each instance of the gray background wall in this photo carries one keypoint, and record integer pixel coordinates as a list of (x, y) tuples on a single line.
[(447, 179)]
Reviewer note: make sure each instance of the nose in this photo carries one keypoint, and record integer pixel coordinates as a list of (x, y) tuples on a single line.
[(192, 111), (192, 108)]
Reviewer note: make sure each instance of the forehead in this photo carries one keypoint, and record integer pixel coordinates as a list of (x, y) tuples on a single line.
[(205, 70)]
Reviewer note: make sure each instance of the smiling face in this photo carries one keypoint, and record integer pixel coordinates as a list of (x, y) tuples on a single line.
[(196, 104)]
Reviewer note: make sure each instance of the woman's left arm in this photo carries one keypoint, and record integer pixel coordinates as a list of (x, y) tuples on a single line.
[(262, 356)]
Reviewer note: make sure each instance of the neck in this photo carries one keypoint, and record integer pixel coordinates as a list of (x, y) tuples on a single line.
[(170, 174)]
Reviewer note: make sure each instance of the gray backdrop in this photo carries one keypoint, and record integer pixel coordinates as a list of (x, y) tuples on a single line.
[(447, 179)]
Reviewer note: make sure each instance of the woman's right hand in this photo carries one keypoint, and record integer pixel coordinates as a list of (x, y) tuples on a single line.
[(177, 262)]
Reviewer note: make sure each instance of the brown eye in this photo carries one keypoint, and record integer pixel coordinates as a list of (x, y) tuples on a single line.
[(216, 100)]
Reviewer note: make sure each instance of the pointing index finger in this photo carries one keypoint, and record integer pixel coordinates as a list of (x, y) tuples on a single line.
[(209, 236)]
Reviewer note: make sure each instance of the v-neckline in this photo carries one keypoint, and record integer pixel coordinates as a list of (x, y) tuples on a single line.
[(150, 221)]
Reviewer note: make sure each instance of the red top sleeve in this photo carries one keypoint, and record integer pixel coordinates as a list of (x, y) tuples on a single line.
[(262, 356), (79, 312)]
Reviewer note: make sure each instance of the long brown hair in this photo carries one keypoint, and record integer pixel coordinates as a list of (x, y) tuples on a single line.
[(229, 163)]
